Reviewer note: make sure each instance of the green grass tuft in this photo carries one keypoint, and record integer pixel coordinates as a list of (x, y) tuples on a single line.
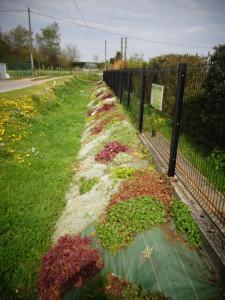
[(123, 172), (86, 185)]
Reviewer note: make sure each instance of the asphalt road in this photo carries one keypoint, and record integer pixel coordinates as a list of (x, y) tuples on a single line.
[(9, 85)]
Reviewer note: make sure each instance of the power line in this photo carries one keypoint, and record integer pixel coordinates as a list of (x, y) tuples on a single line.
[(119, 34), (12, 11), (69, 13), (82, 17)]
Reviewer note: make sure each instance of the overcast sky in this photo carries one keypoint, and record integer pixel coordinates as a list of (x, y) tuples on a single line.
[(196, 23)]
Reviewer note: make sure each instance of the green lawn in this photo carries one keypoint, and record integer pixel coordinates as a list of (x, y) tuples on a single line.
[(35, 173)]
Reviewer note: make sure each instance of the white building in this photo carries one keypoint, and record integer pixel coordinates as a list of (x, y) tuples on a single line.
[(3, 71)]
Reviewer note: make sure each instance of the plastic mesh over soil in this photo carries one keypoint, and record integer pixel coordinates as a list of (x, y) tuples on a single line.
[(173, 268)]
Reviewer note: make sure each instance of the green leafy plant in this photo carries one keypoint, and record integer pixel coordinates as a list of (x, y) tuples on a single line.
[(217, 158), (123, 172), (153, 119), (134, 292), (184, 222), (86, 185), (127, 218), (122, 158)]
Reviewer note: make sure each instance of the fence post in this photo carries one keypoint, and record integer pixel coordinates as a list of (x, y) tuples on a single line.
[(129, 88), (121, 85), (115, 82), (177, 118), (142, 101)]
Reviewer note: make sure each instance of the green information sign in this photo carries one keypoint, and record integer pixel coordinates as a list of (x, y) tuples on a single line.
[(157, 96)]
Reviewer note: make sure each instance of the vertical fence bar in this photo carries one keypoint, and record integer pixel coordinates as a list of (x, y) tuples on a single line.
[(117, 81), (177, 117), (142, 101), (121, 85), (129, 88)]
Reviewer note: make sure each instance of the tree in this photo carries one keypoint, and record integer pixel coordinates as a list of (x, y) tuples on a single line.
[(171, 60), (48, 42), (15, 47), (136, 61), (166, 68), (69, 55), (117, 57), (96, 58), (19, 38), (5, 49), (213, 110)]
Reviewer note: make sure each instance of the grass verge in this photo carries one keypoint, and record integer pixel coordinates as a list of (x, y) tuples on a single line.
[(32, 190)]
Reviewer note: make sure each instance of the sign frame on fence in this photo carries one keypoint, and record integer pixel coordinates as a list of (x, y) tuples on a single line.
[(157, 96)]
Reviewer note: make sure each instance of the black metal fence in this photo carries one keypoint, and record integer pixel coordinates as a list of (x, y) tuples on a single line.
[(198, 160)]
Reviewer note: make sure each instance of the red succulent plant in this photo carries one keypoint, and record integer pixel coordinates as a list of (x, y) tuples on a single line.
[(69, 263), (104, 97), (109, 151), (105, 107), (98, 128), (145, 182)]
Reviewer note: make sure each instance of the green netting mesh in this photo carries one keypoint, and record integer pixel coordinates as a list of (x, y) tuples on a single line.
[(172, 268)]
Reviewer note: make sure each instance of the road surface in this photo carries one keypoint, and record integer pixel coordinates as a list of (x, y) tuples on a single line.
[(9, 85)]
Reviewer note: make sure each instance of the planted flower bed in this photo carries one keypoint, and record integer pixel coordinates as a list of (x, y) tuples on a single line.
[(144, 183), (131, 216)]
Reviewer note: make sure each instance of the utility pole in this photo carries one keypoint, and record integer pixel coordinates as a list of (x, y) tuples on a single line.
[(125, 50), (121, 48), (31, 55), (105, 53)]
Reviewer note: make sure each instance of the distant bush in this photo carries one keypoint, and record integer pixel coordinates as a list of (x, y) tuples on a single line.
[(204, 113), (170, 60), (164, 72), (214, 106)]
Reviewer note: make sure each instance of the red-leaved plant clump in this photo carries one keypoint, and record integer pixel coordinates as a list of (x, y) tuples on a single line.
[(69, 263), (105, 107), (144, 183), (115, 286), (99, 127), (104, 97), (109, 151)]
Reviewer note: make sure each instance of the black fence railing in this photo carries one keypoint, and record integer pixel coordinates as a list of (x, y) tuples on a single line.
[(198, 159)]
